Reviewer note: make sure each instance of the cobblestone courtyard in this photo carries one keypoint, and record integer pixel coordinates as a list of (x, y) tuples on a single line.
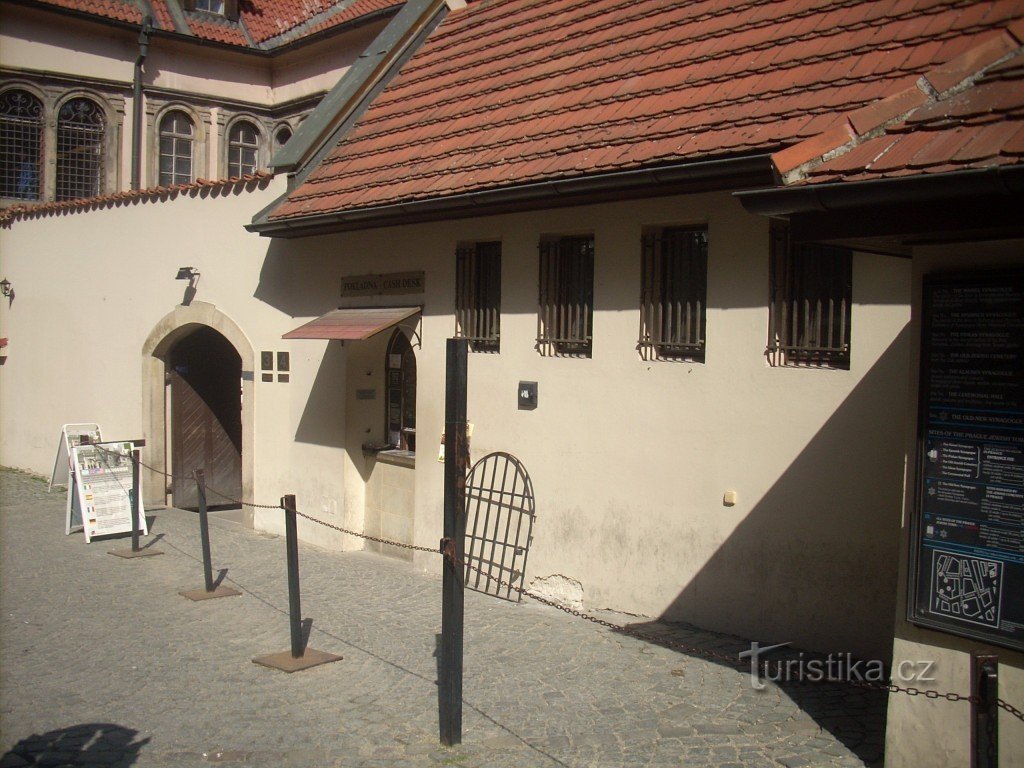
[(103, 663)]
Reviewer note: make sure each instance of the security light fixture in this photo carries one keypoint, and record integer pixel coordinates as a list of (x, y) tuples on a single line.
[(5, 287), (187, 273)]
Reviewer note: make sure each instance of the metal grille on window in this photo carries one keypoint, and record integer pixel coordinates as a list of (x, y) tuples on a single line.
[(810, 308), (176, 131), (243, 149), (478, 296), (80, 137), (21, 144), (565, 321), (674, 294)]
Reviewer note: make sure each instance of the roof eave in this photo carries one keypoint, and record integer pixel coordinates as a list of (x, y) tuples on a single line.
[(846, 195), (707, 175)]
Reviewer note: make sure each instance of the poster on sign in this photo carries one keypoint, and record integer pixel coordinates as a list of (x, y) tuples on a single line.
[(70, 436), (103, 481)]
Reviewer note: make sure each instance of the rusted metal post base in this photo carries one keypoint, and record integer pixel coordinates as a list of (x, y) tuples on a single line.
[(298, 657), (202, 594), (128, 554)]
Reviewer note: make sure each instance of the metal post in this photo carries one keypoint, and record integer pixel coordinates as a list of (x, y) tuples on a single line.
[(136, 521), (453, 587), (984, 711), (292, 546), (204, 528)]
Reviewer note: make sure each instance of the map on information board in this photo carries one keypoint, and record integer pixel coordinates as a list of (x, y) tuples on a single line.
[(103, 480)]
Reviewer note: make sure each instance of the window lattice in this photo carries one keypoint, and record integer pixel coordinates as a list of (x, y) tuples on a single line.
[(243, 149), (176, 132), (21, 145), (674, 294), (478, 295), (565, 320), (810, 309), (81, 129)]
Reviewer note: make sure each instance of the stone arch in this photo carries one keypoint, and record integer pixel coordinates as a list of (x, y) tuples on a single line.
[(173, 327)]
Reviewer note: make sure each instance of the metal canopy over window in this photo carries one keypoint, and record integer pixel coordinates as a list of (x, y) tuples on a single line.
[(352, 324)]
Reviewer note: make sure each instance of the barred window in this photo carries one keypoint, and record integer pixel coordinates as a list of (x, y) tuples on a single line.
[(81, 130), (176, 132), (243, 149), (565, 320), (478, 296), (674, 294), (21, 145), (810, 307)]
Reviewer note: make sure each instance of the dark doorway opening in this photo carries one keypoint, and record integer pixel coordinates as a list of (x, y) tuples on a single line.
[(205, 378)]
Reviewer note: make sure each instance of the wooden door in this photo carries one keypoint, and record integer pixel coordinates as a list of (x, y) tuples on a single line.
[(199, 440)]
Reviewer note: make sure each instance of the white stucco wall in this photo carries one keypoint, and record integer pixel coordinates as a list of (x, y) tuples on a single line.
[(937, 732), (629, 459)]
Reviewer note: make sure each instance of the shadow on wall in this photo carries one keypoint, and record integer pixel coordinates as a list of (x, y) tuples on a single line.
[(323, 419), (85, 744), (300, 277), (815, 561)]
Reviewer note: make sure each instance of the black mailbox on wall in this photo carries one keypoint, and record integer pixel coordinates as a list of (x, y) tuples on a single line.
[(527, 395)]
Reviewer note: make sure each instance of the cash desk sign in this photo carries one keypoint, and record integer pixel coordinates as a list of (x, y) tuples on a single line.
[(383, 285)]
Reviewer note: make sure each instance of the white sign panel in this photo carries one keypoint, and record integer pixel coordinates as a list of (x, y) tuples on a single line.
[(103, 480), (70, 436)]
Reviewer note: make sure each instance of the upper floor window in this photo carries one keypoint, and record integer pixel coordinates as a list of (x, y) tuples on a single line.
[(243, 149), (284, 133), (80, 140), (565, 320), (811, 298), (674, 293), (478, 295), (212, 6), (176, 134), (21, 144)]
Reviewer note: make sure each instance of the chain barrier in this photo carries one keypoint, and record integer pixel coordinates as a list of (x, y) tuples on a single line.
[(447, 551), (366, 536)]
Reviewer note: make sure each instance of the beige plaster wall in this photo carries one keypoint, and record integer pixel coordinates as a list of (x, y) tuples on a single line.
[(921, 731), (629, 459)]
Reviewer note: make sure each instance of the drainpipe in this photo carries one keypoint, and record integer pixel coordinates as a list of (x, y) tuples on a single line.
[(144, 31)]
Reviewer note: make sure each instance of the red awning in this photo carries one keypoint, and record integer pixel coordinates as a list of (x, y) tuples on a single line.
[(3, 342), (352, 324)]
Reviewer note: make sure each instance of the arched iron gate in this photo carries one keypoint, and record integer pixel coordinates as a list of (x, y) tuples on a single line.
[(499, 525)]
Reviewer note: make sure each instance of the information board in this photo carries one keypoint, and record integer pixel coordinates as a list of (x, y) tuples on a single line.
[(968, 529), (103, 478), (70, 436)]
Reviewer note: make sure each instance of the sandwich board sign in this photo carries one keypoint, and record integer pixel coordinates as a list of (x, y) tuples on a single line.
[(102, 483), (70, 436)]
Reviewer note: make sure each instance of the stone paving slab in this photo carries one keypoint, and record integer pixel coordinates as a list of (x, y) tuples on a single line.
[(103, 663)]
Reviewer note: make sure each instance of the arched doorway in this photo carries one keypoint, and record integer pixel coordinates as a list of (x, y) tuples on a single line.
[(205, 375), (158, 418)]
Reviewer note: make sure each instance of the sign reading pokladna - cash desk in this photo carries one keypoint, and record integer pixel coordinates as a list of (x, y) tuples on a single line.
[(968, 533), (103, 477)]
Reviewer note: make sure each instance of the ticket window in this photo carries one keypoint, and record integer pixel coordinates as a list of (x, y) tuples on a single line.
[(401, 393)]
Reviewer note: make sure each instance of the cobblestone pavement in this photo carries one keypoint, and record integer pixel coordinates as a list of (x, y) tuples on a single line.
[(103, 663)]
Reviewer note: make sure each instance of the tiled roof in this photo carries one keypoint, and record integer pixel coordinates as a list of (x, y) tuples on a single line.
[(248, 182), (977, 123), (266, 23), (511, 93)]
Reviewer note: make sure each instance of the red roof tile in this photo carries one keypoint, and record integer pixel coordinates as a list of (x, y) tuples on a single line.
[(521, 91), (267, 22), (979, 126)]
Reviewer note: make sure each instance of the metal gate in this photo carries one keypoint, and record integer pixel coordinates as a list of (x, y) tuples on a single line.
[(499, 525)]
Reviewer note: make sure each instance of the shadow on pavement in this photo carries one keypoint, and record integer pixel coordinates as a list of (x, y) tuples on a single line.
[(85, 744)]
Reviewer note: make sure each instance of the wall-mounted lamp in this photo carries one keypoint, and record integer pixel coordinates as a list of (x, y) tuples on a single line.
[(5, 288), (187, 273)]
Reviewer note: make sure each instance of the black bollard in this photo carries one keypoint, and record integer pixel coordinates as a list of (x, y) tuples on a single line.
[(453, 586), (984, 711), (135, 499), (296, 658), (209, 591)]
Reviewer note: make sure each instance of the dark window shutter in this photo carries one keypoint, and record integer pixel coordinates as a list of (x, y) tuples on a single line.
[(230, 9)]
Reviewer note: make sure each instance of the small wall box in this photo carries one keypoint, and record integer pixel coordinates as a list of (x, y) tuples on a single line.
[(527, 395)]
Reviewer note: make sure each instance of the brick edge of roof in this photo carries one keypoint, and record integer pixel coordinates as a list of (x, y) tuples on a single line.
[(203, 187), (794, 163)]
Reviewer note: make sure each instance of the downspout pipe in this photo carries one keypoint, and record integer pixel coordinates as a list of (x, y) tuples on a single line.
[(137, 127)]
